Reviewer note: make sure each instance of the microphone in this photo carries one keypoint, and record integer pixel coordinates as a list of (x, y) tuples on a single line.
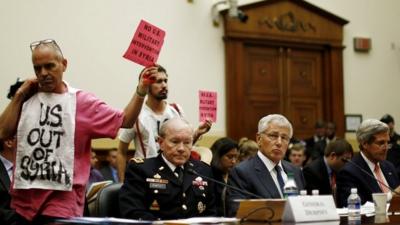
[(224, 184), (370, 175)]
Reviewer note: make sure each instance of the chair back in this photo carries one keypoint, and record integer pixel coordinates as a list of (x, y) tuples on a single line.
[(107, 201)]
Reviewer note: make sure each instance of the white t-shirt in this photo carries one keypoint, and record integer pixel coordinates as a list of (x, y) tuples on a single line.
[(149, 126)]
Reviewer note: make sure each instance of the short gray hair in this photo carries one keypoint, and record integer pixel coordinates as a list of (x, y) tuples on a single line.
[(172, 122), (368, 128), (278, 119)]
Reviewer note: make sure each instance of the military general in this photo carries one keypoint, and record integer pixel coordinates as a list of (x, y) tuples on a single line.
[(169, 186)]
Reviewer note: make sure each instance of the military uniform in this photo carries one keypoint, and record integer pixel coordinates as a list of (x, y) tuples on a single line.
[(151, 191)]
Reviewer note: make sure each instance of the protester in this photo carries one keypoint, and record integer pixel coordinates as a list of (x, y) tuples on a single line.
[(54, 124)]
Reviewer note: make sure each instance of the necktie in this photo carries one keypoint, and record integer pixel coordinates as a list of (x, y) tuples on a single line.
[(333, 185), (179, 174), (379, 176), (279, 177), (10, 172), (333, 180)]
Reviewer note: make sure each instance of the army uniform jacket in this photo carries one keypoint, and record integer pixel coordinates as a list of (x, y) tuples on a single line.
[(151, 191)]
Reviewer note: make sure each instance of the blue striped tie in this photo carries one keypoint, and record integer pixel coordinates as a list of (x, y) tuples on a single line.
[(279, 177)]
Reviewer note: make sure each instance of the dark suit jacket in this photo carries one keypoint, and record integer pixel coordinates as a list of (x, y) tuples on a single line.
[(351, 176), (220, 193), (6, 214), (151, 191), (314, 150), (253, 176), (316, 176), (107, 173)]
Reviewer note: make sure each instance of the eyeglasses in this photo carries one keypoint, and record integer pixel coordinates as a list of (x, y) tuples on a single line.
[(46, 41), (276, 136), (382, 144)]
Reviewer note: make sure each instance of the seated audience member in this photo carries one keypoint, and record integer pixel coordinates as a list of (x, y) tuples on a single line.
[(225, 154), (166, 186), (315, 145), (95, 175), (393, 154), (266, 173), (373, 138), (7, 156), (321, 173), (247, 148), (109, 171), (297, 154), (330, 132), (46, 103)]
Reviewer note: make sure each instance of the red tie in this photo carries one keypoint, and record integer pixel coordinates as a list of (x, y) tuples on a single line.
[(333, 180), (333, 185), (379, 176)]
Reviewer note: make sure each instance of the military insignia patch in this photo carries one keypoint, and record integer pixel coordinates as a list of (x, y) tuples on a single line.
[(155, 206), (201, 207), (199, 182), (136, 160)]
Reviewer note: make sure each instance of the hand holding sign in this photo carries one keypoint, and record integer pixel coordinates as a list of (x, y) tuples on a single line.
[(146, 44), (146, 77)]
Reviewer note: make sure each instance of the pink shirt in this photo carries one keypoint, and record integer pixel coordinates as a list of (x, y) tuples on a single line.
[(94, 119)]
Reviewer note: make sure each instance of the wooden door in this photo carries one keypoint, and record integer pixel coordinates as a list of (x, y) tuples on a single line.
[(287, 59), (284, 80)]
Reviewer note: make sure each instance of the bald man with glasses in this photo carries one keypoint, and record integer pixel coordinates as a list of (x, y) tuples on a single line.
[(266, 173)]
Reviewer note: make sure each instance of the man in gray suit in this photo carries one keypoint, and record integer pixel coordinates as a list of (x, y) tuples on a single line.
[(265, 173)]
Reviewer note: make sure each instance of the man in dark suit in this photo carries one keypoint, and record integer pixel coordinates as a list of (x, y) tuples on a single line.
[(373, 138), (109, 170), (393, 154), (315, 145), (265, 173), (321, 173), (164, 187), (7, 148)]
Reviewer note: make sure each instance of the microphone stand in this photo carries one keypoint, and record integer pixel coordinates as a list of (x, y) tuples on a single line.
[(370, 175)]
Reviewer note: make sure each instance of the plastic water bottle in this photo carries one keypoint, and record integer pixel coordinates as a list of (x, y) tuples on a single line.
[(354, 204), (303, 192), (315, 192), (290, 188)]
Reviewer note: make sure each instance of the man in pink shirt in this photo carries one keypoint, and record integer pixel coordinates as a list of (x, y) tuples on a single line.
[(50, 118)]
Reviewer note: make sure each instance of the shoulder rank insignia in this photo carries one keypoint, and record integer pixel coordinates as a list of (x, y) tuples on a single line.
[(136, 160)]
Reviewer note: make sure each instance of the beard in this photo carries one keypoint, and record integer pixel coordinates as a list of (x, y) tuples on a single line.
[(162, 95)]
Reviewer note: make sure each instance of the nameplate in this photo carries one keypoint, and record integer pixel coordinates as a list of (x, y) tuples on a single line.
[(310, 209)]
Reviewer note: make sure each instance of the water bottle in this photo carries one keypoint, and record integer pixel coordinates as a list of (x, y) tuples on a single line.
[(315, 192), (303, 192), (290, 188), (354, 204)]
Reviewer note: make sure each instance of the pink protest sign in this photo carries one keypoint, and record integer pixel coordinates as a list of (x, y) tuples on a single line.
[(208, 105), (146, 44)]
